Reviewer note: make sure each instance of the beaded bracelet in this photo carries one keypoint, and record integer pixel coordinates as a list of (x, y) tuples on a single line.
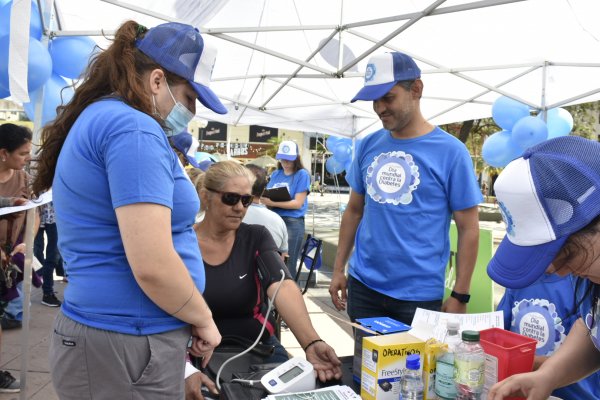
[(313, 342)]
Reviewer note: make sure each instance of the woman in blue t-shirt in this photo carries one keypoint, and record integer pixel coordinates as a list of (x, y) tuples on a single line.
[(290, 173), (550, 201), (125, 211)]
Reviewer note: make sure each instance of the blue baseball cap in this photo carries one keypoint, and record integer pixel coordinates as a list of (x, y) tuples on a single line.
[(548, 194), (184, 142), (180, 49), (383, 72)]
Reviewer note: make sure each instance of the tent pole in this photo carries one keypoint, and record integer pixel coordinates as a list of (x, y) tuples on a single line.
[(543, 99), (29, 227)]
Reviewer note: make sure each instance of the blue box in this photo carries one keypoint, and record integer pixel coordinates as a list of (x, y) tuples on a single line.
[(370, 327)]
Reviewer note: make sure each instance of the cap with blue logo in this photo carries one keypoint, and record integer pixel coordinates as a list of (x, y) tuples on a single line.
[(180, 49), (383, 72), (545, 196), (288, 150)]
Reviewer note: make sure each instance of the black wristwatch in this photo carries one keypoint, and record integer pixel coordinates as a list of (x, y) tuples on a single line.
[(463, 298)]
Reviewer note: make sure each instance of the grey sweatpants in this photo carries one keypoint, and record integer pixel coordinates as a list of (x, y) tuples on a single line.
[(94, 364)]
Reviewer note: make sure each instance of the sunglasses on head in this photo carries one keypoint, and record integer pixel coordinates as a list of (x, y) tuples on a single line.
[(231, 199)]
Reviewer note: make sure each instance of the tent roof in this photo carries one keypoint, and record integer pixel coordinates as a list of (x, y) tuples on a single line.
[(278, 61)]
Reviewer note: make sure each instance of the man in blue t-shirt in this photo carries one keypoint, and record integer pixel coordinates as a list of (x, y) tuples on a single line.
[(407, 181)]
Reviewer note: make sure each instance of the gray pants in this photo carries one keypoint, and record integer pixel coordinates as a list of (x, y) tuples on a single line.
[(94, 364)]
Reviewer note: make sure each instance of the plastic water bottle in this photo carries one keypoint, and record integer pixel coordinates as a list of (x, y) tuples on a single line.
[(411, 386), (469, 367), (444, 368)]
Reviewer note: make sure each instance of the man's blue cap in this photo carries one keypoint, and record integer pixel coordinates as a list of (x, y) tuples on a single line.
[(383, 72)]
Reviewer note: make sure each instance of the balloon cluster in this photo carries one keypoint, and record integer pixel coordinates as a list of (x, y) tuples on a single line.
[(520, 130), (342, 154), (66, 57)]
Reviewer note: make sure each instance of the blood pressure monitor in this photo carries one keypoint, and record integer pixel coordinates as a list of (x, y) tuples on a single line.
[(294, 375)]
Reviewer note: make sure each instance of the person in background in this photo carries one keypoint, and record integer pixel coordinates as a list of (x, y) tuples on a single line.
[(290, 173), (259, 214), (125, 211), (50, 257), (12, 201), (185, 146), (236, 291), (407, 181), (15, 154), (546, 311), (550, 202)]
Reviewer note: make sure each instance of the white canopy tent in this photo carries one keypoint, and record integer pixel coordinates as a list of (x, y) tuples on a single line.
[(278, 62)]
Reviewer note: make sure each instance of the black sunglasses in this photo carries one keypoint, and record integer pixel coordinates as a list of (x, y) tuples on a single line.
[(231, 199)]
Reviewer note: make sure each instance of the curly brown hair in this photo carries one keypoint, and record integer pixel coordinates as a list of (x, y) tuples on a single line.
[(117, 71)]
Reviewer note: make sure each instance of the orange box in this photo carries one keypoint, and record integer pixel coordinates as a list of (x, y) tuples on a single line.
[(506, 353)]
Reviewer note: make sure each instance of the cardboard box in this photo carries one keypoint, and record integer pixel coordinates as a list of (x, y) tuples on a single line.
[(371, 327), (384, 362), (433, 348)]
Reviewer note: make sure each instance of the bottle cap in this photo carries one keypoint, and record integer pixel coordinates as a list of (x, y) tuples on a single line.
[(452, 325), (470, 336), (413, 361)]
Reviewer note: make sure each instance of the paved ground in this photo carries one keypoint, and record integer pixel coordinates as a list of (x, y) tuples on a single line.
[(322, 219)]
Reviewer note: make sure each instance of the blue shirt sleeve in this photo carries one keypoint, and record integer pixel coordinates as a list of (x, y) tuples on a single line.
[(463, 191), (139, 169)]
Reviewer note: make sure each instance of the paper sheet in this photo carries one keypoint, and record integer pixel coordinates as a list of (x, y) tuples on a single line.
[(429, 324), (46, 197), (337, 392)]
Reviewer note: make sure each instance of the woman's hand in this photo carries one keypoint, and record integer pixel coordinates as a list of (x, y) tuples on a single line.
[(324, 361), (267, 202), (532, 385), (20, 248), (204, 341), (193, 386)]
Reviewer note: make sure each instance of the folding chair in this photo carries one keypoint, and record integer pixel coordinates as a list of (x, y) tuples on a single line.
[(311, 258)]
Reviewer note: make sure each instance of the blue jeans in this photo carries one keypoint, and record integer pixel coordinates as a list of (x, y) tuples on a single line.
[(14, 308), (295, 230), (364, 302), (52, 258), (280, 354)]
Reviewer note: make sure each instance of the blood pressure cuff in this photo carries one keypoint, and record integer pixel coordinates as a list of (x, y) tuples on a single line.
[(269, 266)]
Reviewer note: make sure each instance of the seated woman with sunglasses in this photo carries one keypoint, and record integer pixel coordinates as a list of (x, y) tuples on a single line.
[(232, 252)]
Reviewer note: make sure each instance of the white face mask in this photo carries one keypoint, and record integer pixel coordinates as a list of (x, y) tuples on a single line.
[(178, 119)]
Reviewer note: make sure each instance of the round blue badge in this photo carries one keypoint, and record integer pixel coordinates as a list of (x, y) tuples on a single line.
[(510, 226), (370, 72), (285, 149), (392, 177), (538, 319)]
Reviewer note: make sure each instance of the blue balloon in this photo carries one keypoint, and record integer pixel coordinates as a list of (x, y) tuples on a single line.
[(35, 25), (71, 55), (56, 92), (4, 93), (499, 149), (39, 66), (331, 142), (529, 131), (559, 122), (334, 166), (342, 151), (506, 112)]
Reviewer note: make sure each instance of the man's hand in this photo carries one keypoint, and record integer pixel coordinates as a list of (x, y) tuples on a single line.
[(338, 291), (452, 305)]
